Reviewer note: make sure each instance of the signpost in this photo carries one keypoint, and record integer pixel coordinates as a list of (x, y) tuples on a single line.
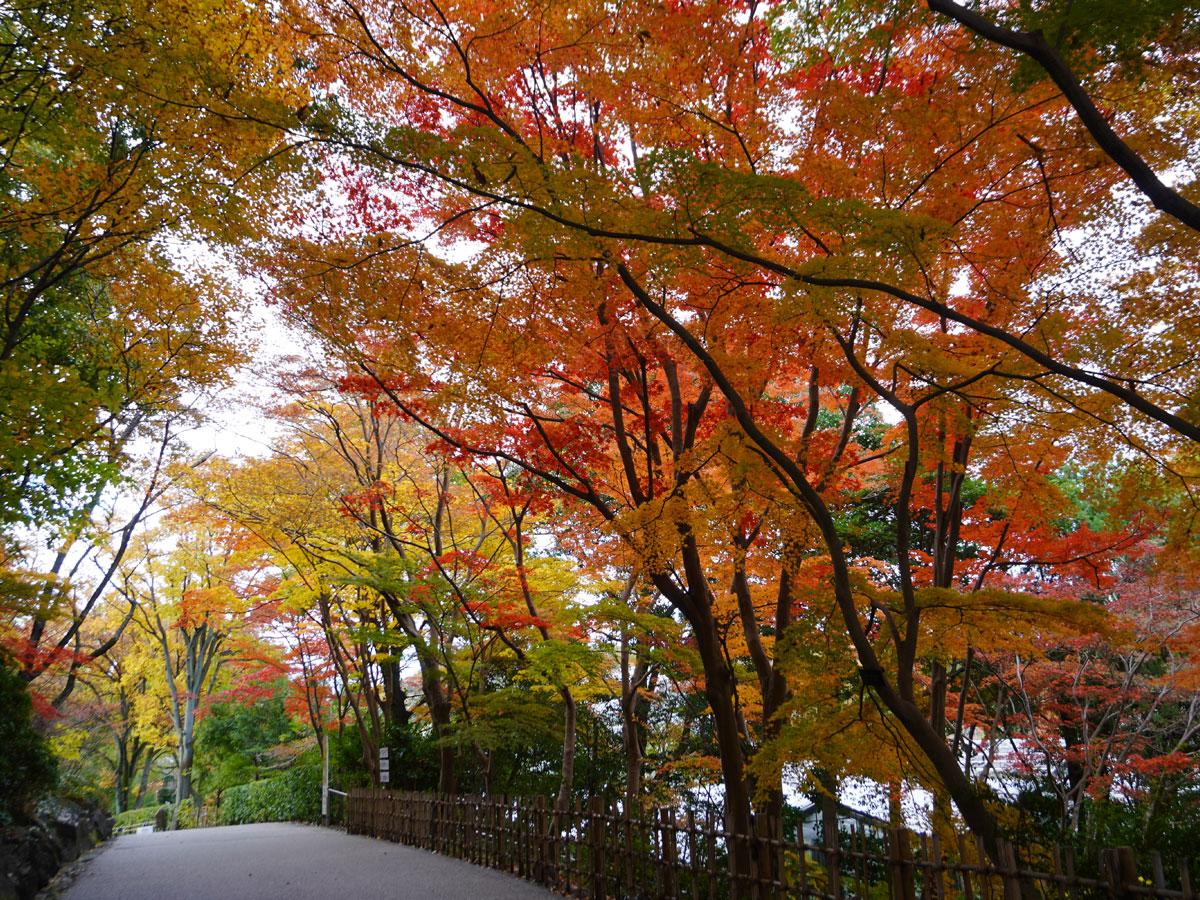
[(384, 774)]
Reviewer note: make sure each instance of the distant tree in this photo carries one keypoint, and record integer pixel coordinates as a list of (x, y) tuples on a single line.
[(237, 729)]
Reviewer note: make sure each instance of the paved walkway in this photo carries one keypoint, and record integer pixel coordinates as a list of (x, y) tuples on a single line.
[(296, 862)]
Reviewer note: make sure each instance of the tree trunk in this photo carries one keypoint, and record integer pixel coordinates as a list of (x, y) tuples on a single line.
[(632, 715), (187, 741), (396, 711), (966, 795), (938, 683), (718, 688), (144, 781), (563, 803), (123, 779), (439, 714), (830, 833)]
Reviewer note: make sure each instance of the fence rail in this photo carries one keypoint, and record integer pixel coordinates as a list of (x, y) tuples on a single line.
[(602, 851)]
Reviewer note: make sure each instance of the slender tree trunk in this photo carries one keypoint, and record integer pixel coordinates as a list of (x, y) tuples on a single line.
[(563, 803), (439, 714), (938, 683), (123, 778), (632, 715), (718, 688), (187, 745), (827, 800), (488, 769), (396, 711), (144, 781)]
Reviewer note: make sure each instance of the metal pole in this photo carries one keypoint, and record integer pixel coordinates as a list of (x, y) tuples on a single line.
[(324, 778)]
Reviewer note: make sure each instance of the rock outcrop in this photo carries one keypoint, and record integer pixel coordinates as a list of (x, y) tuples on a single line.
[(30, 855)]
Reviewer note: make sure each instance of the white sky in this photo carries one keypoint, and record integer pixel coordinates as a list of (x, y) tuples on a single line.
[(236, 423)]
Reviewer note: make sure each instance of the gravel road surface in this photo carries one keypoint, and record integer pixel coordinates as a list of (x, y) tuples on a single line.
[(294, 862)]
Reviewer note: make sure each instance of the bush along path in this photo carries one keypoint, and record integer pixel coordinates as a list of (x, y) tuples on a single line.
[(293, 796)]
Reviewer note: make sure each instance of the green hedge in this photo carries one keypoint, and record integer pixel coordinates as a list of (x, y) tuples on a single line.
[(292, 796), (145, 815)]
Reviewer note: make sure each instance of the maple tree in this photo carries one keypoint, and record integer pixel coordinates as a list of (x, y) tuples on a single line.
[(102, 325), (1098, 722), (192, 603), (119, 726), (575, 164), (406, 551), (810, 337)]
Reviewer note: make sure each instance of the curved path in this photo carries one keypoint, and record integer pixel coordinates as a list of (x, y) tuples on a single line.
[(296, 862)]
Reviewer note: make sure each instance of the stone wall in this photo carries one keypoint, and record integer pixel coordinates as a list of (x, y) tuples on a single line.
[(30, 855)]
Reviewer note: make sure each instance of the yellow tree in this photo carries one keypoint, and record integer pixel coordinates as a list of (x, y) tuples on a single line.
[(396, 548), (194, 600)]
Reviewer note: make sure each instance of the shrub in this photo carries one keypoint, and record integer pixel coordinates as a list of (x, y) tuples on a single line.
[(292, 796), (186, 817), (27, 767), (143, 816)]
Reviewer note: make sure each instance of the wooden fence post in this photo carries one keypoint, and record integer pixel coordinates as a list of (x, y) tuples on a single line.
[(799, 880), (939, 871), (964, 871), (597, 833), (666, 824), (833, 864), (693, 858), (502, 844), (710, 855), (1160, 875), (541, 864), (521, 838), (763, 857), (1008, 871), (904, 886), (1122, 871)]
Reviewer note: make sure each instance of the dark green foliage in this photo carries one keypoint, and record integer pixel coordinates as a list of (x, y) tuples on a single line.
[(1165, 824), (600, 758), (346, 760), (143, 815), (1113, 30), (522, 731), (27, 768), (291, 796), (414, 758), (868, 525), (233, 738)]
